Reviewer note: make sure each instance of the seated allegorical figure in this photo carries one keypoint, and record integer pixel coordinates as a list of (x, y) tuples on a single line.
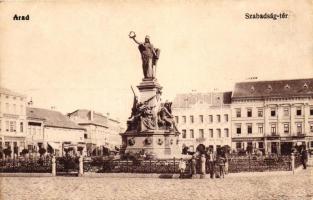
[(165, 117)]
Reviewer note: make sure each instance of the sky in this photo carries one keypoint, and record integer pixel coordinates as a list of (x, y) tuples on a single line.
[(77, 54)]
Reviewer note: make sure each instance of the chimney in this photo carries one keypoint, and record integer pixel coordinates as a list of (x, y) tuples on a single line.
[(30, 103), (252, 78)]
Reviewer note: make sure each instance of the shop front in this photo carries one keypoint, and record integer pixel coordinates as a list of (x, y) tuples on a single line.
[(248, 144)]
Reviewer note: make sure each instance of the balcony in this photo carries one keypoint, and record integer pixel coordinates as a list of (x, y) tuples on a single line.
[(301, 135)]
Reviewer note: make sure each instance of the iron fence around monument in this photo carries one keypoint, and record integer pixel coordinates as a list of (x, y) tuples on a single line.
[(163, 166), (259, 164), (159, 166), (67, 164), (23, 165)]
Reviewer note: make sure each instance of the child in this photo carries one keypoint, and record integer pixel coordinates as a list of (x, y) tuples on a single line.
[(182, 167)]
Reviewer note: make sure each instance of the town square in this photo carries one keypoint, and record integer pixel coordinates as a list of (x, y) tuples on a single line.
[(156, 100)]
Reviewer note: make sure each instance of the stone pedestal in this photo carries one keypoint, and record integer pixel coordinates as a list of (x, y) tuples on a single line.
[(157, 141), (149, 88)]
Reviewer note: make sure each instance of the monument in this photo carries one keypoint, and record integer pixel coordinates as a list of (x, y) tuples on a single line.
[(151, 128)]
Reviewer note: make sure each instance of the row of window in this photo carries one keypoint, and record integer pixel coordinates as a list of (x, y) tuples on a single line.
[(273, 128), (211, 119), (201, 133), (13, 97), (13, 109), (10, 144), (249, 144), (11, 126), (33, 130), (273, 112)]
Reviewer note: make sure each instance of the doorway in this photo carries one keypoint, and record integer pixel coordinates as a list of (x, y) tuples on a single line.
[(274, 147), (286, 148)]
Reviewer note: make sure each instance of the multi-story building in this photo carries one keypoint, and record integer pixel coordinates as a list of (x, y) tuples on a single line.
[(203, 118), (53, 131), (12, 121), (102, 132), (114, 138), (35, 132), (273, 116)]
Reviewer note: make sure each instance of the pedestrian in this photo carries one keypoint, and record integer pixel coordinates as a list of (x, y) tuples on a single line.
[(211, 163), (221, 164), (182, 167), (226, 163), (304, 157)]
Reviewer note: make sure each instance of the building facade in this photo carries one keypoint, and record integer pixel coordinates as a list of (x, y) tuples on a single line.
[(114, 130), (272, 116), (203, 118), (12, 122), (53, 131), (102, 132)]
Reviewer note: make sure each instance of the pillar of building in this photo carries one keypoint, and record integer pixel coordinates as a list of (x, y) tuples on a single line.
[(265, 146), (269, 145), (278, 148)]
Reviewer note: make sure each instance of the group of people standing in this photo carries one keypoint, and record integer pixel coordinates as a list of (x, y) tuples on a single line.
[(217, 161), (216, 164)]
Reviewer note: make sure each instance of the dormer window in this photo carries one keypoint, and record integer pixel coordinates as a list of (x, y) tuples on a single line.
[(269, 88), (287, 86), (305, 86)]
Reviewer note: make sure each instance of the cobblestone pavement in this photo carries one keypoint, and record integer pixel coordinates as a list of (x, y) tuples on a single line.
[(298, 186)]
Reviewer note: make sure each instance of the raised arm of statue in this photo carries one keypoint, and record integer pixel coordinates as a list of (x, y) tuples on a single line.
[(139, 43)]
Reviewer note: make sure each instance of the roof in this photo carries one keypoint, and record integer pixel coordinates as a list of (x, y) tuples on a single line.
[(274, 89), (213, 98), (10, 92), (51, 118), (84, 116)]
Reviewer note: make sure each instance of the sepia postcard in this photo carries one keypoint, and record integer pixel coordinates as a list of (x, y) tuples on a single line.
[(204, 99)]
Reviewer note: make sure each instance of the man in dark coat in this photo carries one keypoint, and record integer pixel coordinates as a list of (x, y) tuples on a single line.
[(304, 157)]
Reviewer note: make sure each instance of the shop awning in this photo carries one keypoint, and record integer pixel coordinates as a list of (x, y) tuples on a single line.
[(66, 146), (81, 145), (54, 145)]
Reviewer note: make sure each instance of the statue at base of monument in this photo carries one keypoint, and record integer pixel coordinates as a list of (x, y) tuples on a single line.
[(142, 117), (147, 120), (149, 56), (166, 119)]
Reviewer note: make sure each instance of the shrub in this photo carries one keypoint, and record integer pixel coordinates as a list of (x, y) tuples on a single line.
[(24, 151), (242, 152), (7, 151)]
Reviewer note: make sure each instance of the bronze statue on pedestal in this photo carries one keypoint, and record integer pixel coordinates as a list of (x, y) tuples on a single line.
[(149, 56)]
